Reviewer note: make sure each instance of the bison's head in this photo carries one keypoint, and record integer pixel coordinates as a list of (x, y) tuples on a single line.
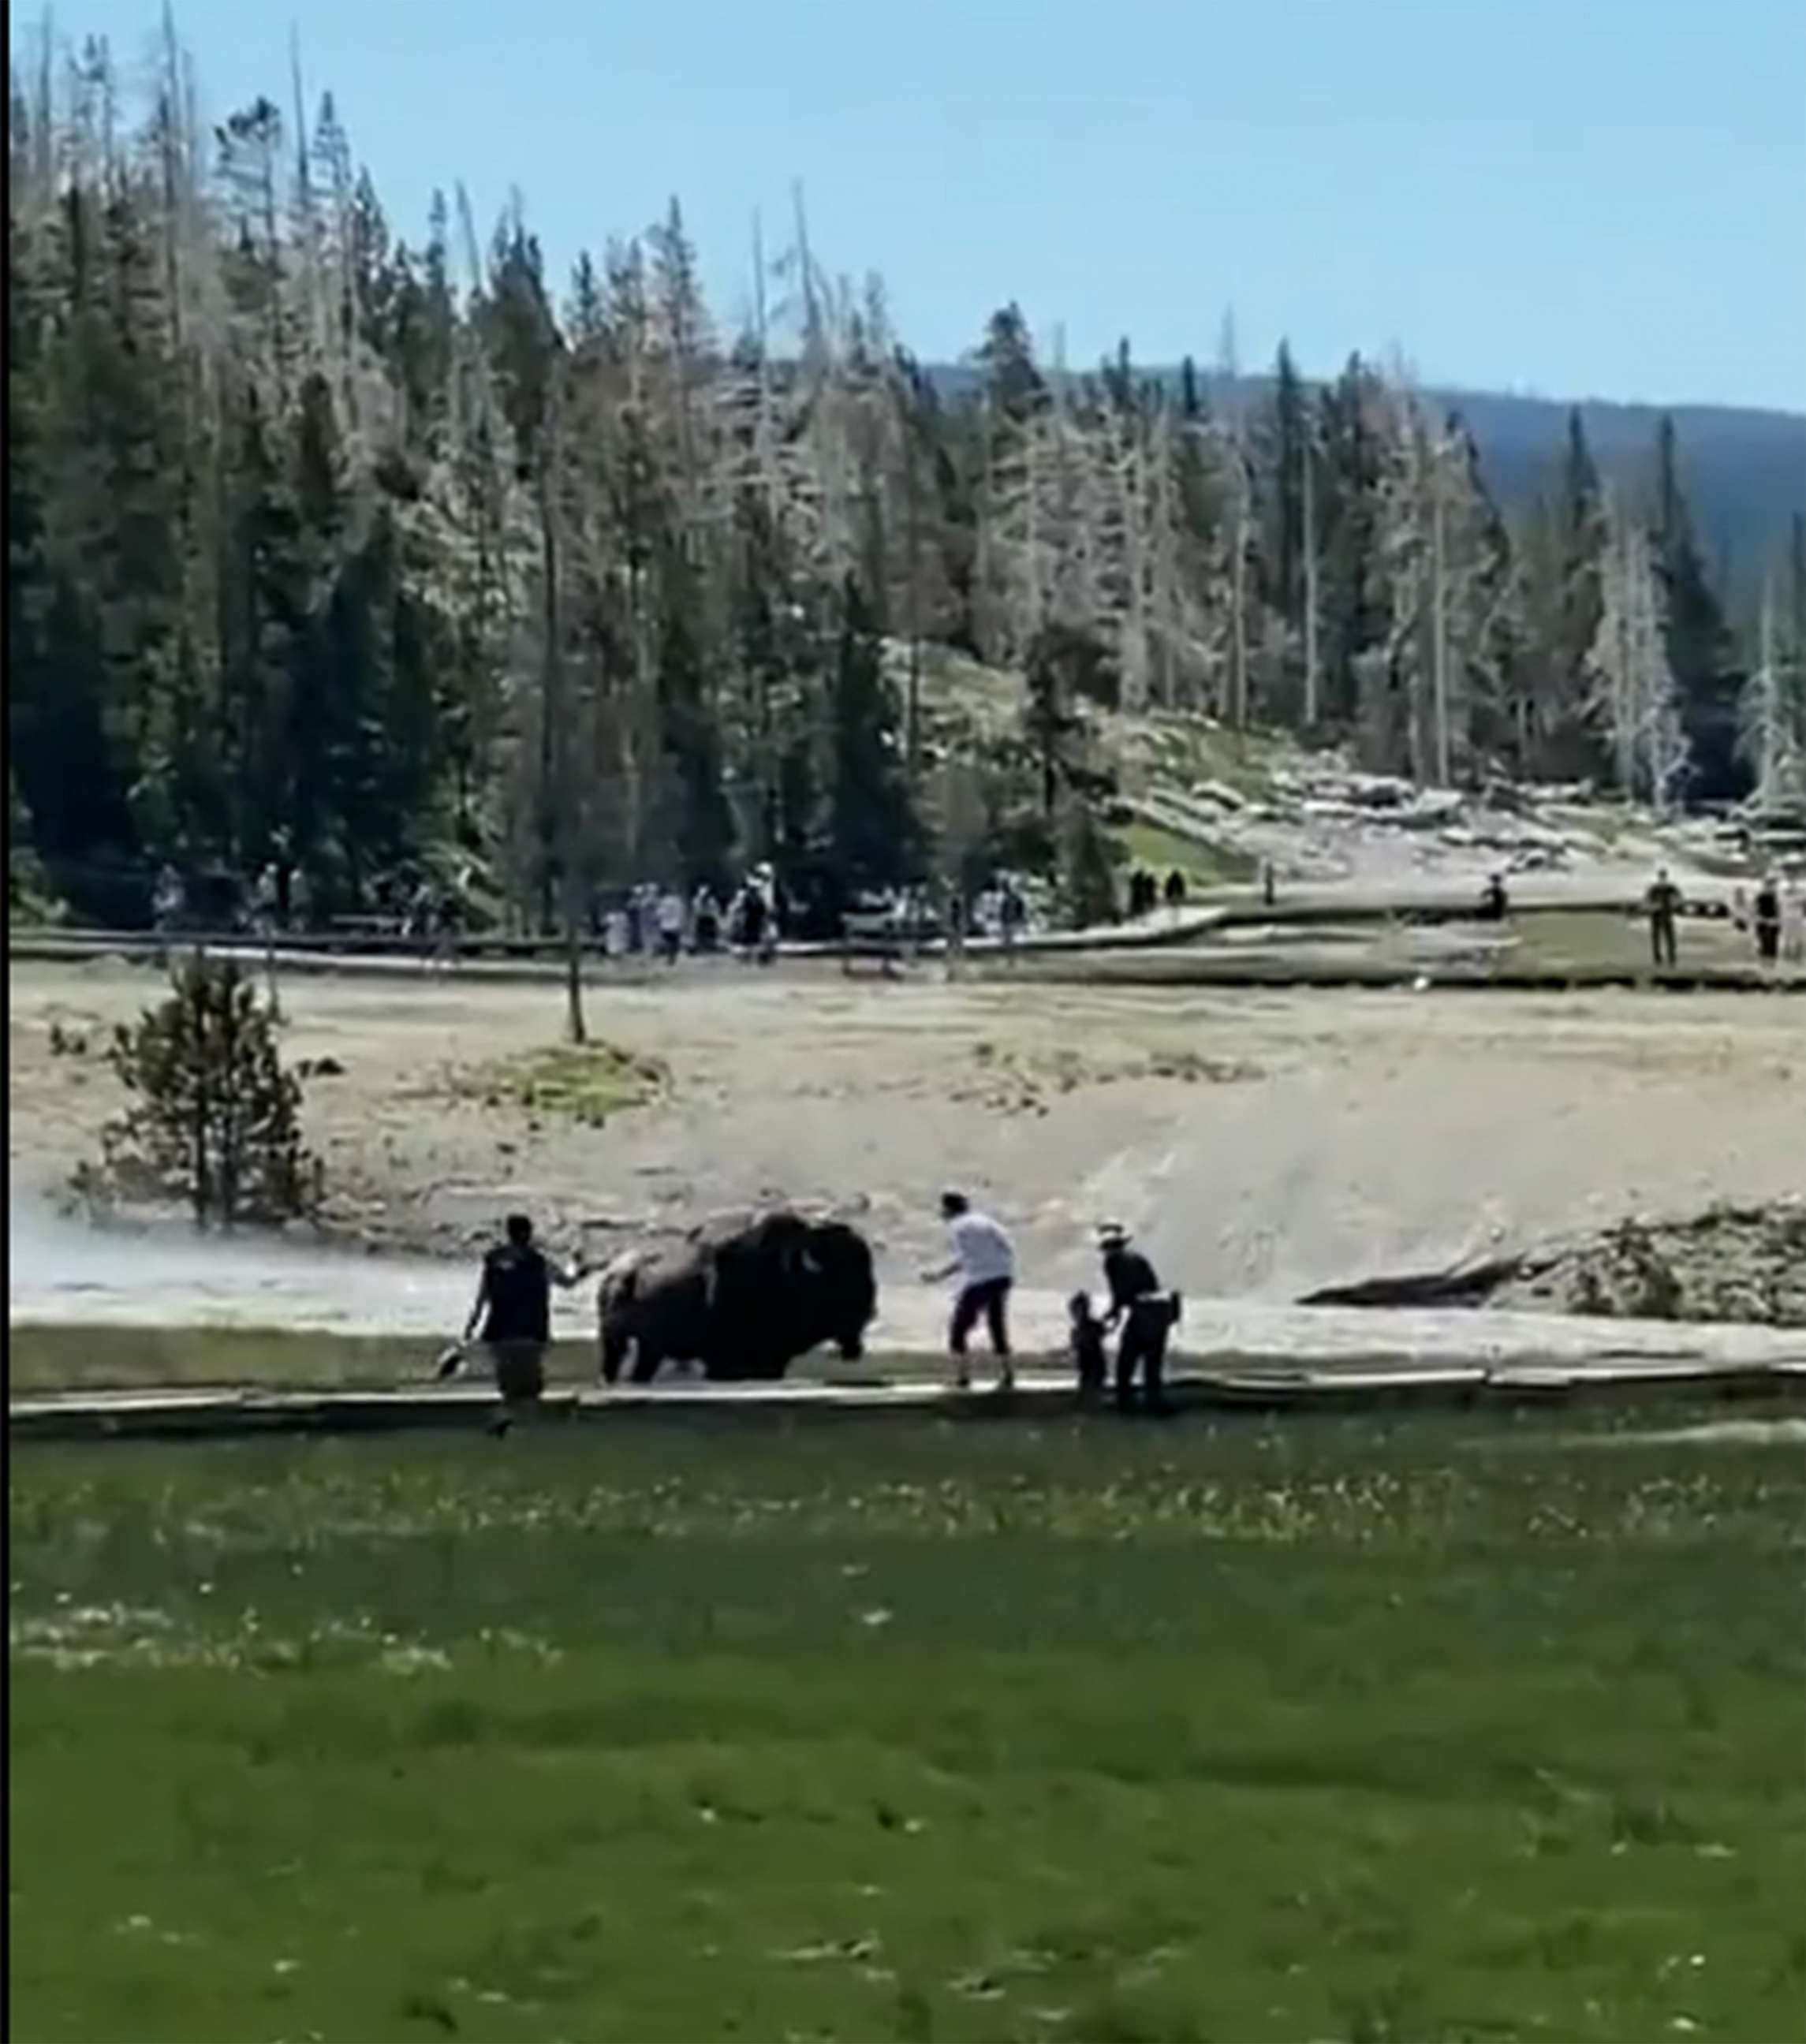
[(620, 1281), (838, 1260)]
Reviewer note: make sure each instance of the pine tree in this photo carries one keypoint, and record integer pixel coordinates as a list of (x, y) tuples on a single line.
[(215, 1120), (1354, 620), (1283, 437), (871, 831), (1699, 647)]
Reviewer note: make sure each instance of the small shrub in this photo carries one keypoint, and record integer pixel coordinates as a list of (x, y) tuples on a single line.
[(215, 1120)]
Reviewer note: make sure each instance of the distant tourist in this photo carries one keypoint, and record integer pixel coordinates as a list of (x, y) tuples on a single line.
[(1793, 923), (513, 1309), (422, 910), (984, 1261), (1012, 913), (705, 919), (265, 902), (954, 913), (765, 892), (670, 924), (1663, 901), (1768, 920), (614, 932), (1175, 890), (1495, 904), (168, 898), (747, 923), (301, 900), (429, 927), (1269, 882), (451, 906)]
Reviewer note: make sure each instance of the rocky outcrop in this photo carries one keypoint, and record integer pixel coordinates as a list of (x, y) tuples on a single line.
[(1323, 820), (1746, 1265)]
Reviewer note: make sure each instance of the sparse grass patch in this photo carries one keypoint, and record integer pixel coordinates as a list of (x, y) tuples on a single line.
[(586, 1082), (971, 1734), (1188, 749), (1204, 866), (1014, 1079)]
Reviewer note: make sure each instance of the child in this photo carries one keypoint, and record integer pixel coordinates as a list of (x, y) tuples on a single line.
[(1087, 1348)]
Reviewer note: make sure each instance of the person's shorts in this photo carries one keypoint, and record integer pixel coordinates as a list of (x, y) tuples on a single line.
[(520, 1367)]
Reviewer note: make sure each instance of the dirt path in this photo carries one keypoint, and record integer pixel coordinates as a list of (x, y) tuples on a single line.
[(1261, 1144)]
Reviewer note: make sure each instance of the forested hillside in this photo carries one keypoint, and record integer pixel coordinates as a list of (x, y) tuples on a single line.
[(1743, 470), (370, 550)]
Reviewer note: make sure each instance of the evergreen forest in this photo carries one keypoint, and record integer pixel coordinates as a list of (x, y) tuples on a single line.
[(376, 551)]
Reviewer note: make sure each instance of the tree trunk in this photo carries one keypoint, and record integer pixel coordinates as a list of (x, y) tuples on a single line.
[(912, 741), (1438, 621), (1135, 619), (1311, 681), (575, 1025), (551, 789), (1238, 605), (565, 834)]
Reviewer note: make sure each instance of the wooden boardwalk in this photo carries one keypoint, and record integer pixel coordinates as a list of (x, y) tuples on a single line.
[(1164, 950), (1197, 967), (1039, 1394)]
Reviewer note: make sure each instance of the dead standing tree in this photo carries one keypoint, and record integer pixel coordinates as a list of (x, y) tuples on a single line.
[(1635, 694)]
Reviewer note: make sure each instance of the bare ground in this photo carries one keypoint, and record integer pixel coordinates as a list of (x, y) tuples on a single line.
[(1260, 1145)]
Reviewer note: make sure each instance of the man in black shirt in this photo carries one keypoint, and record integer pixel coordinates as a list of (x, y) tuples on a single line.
[(1664, 903), (1768, 920), (1147, 1314), (513, 1304), (1495, 904)]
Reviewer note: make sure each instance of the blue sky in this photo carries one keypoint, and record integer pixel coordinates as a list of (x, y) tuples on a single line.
[(1575, 197)]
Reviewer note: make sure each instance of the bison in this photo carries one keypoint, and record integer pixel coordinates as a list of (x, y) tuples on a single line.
[(744, 1296)]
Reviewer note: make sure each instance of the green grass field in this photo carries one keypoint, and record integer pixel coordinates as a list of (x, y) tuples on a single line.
[(966, 1732), (1557, 941), (44, 1359), (52, 1359)]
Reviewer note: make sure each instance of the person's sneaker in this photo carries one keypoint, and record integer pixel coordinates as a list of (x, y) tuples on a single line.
[(963, 1380), (499, 1424), (1006, 1382)]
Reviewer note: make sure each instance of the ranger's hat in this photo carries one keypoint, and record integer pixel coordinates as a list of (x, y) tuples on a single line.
[(1112, 1234)]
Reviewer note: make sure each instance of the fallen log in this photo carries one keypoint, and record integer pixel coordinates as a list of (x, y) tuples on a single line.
[(1468, 1285)]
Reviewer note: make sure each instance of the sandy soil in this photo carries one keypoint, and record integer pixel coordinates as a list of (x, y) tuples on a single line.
[(1260, 1144)]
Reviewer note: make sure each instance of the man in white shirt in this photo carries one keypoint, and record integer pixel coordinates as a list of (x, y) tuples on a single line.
[(986, 1263)]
